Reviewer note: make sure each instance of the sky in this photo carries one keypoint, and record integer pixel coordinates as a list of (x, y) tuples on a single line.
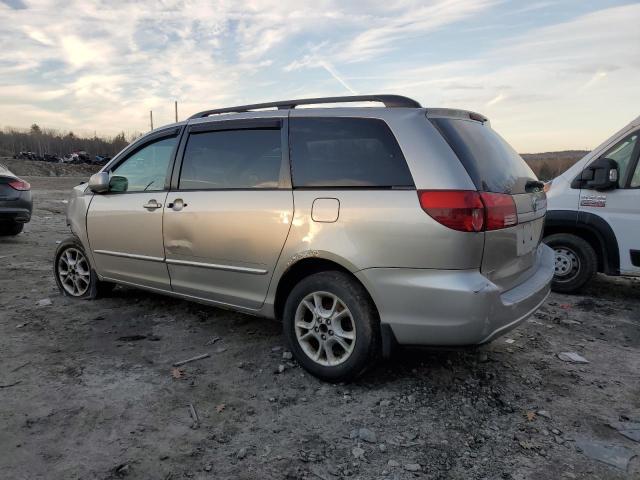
[(550, 75)]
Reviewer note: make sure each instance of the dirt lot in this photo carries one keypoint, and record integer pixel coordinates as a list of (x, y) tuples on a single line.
[(87, 391)]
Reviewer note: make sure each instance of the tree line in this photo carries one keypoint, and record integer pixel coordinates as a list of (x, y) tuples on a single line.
[(49, 141)]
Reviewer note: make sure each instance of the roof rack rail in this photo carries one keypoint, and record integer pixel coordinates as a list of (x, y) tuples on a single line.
[(390, 101)]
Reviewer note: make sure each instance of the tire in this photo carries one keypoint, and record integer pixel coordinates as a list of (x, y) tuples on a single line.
[(10, 229), (83, 283), (576, 262), (344, 333)]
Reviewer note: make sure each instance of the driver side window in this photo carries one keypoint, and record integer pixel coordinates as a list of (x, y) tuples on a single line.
[(144, 169)]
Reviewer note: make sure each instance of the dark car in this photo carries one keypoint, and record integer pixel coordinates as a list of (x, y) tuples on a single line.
[(15, 202)]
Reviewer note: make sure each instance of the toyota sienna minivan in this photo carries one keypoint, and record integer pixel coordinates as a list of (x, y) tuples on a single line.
[(359, 227)]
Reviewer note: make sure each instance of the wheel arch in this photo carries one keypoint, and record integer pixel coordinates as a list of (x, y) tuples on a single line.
[(593, 229)]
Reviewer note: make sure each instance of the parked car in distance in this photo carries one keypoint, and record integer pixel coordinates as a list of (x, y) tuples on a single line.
[(15, 202), (359, 227), (593, 222)]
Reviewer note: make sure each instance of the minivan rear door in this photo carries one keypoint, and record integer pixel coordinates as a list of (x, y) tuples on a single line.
[(494, 166), (229, 211)]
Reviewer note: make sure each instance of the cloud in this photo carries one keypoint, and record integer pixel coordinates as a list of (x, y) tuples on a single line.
[(565, 82)]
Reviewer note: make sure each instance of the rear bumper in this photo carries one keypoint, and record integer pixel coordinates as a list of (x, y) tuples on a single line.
[(17, 210), (454, 307)]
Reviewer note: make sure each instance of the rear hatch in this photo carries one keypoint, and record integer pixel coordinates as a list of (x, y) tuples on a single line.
[(494, 166)]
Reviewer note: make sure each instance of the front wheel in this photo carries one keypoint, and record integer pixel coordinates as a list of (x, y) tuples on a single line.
[(73, 273), (332, 326), (576, 262)]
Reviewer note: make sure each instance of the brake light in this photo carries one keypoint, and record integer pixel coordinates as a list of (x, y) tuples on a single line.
[(457, 209), (500, 210), (20, 185), (469, 211)]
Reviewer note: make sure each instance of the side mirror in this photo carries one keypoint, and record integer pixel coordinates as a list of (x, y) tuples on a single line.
[(99, 182), (599, 175), (118, 184)]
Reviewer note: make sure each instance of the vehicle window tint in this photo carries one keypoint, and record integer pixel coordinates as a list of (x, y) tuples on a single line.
[(232, 159), (346, 152), (622, 153), (492, 164), (146, 169), (635, 179)]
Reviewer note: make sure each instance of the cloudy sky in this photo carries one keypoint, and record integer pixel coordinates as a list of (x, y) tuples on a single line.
[(549, 74)]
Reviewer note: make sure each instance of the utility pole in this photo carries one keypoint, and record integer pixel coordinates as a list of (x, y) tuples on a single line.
[(151, 118), (176, 108)]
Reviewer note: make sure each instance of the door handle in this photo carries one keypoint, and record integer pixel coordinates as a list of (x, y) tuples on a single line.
[(177, 205), (152, 205)]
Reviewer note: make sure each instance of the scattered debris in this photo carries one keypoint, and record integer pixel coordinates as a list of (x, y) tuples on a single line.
[(21, 366), (367, 435), (220, 407), (45, 302), (280, 369), (22, 325), (509, 341), (212, 340), (192, 359), (11, 384), (543, 413), (357, 452), (393, 463), (412, 467), (132, 338), (122, 470), (194, 416), (177, 373), (242, 453), (531, 416), (287, 355), (613, 455), (631, 430), (572, 357)]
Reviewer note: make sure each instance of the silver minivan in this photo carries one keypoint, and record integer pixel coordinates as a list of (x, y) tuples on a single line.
[(360, 227)]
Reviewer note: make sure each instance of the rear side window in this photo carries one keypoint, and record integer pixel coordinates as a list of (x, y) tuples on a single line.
[(227, 159), (492, 164), (346, 152)]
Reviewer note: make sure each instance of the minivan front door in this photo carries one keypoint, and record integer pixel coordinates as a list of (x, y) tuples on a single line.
[(125, 224), (228, 217)]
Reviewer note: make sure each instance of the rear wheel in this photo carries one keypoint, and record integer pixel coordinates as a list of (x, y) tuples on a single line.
[(10, 228), (576, 262), (73, 273), (332, 326)]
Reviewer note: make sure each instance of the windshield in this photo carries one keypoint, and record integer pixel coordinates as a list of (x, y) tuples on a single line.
[(492, 164)]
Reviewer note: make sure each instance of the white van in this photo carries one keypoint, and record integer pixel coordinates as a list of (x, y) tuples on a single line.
[(593, 216)]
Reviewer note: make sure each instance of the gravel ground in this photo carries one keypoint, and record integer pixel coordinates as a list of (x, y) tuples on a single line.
[(87, 389)]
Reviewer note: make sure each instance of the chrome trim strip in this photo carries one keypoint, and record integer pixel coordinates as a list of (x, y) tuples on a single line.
[(129, 255), (231, 268)]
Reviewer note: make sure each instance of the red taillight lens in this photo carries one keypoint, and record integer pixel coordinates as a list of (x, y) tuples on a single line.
[(20, 185), (500, 210), (469, 211), (457, 209)]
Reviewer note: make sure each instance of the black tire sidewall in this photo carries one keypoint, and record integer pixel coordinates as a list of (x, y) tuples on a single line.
[(10, 229), (357, 300), (73, 242), (586, 255)]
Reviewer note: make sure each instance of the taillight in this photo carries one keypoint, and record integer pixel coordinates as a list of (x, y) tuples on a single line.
[(457, 209), (469, 211), (20, 185), (500, 210)]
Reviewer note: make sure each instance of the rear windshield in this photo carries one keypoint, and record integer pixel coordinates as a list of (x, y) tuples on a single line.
[(492, 164)]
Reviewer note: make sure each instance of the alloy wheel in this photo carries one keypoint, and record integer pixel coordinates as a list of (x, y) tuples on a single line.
[(325, 328), (74, 272)]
